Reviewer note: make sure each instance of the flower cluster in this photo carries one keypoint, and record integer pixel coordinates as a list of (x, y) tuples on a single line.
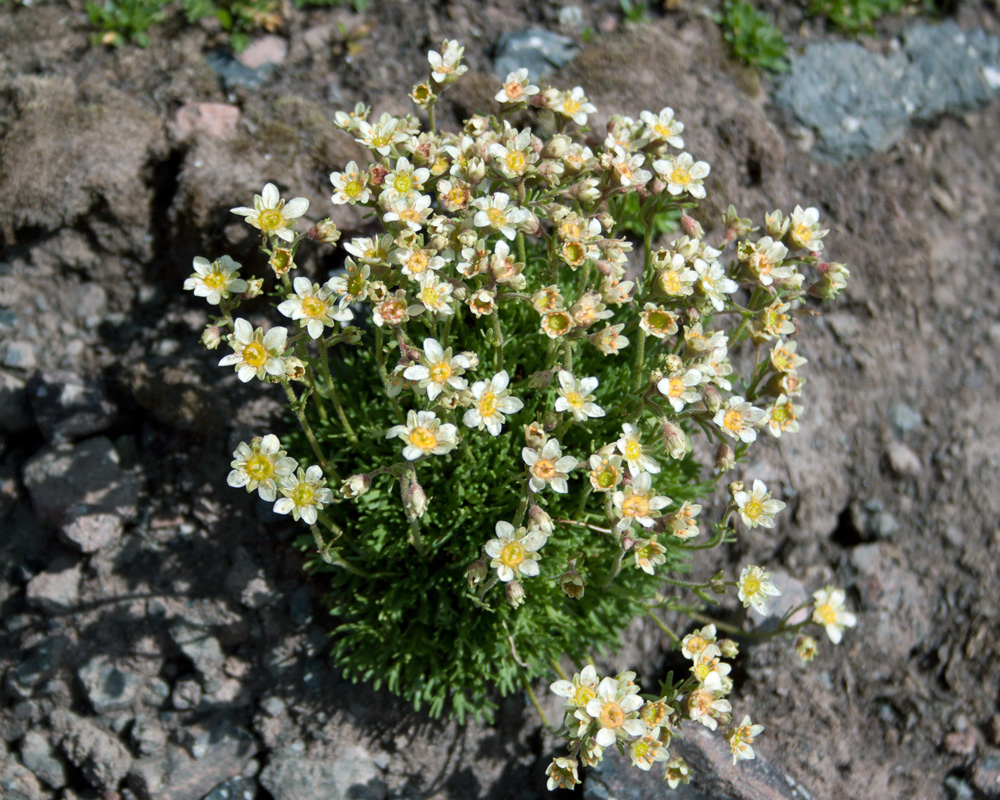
[(520, 356)]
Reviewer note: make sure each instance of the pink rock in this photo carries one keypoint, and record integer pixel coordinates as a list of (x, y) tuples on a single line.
[(213, 120), (903, 460), (268, 49)]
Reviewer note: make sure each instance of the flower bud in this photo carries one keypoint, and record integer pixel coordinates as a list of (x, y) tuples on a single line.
[(281, 260), (415, 503), (355, 486), (211, 337), (713, 400), (351, 335), (550, 420), (325, 231), (725, 458), (538, 519), (376, 174), (476, 572), (557, 146), (535, 436), (542, 379), (806, 647), (776, 224), (735, 487), (254, 288), (572, 584), (728, 648), (295, 370), (832, 280), (675, 441), (607, 221), (475, 170), (691, 226), (515, 594), (672, 363)]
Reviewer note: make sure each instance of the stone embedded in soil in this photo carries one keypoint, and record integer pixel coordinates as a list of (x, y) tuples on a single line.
[(904, 418), (200, 646), (186, 694), (960, 743), (66, 481), (233, 74), (537, 50), (713, 775), (57, 589), (985, 775), (267, 49), (902, 460), (215, 755), (68, 406), (856, 101), (17, 781), (89, 533), (233, 789), (38, 756), (213, 120), (108, 686), (103, 759), (20, 355), (352, 775), (148, 737), (36, 666)]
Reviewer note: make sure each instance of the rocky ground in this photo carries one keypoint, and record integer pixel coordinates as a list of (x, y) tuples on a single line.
[(159, 639)]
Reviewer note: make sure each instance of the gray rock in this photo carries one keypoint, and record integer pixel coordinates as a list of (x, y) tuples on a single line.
[(215, 755), (958, 789), (985, 775), (36, 666), (713, 775), (352, 775), (57, 589), (66, 481), (300, 607), (247, 580), (233, 74), (103, 759), (186, 695), (109, 687), (234, 789), (904, 418), (92, 532), (148, 737), (17, 782), (18, 721), (20, 355), (66, 406), (538, 50), (38, 756), (200, 646), (857, 102), (902, 460), (14, 414)]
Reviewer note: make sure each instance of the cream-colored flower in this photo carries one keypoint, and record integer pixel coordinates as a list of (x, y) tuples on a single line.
[(350, 186), (548, 467), (639, 502), (556, 323), (784, 358), (304, 494), (658, 321), (756, 507), (411, 210), (260, 465), (648, 554), (738, 418), (830, 612), (648, 750), (438, 370), (681, 388), (562, 773), (683, 174), (435, 295), (515, 158), (764, 260), (714, 283), (515, 552), (783, 415), (637, 456), (663, 127), (605, 472), (256, 354), (315, 305), (497, 213), (381, 136), (492, 400), (609, 339), (576, 398), (517, 88), (574, 104), (701, 644), (446, 65), (741, 738), (755, 588), (677, 772), (215, 281), (804, 230), (271, 215), (616, 711), (674, 276), (706, 706), (683, 522), (405, 179), (580, 691), (424, 435)]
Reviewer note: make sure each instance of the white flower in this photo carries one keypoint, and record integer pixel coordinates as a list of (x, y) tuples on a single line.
[(804, 230), (629, 168), (350, 186), (616, 711), (492, 401), (648, 750), (516, 88), (381, 136), (681, 388), (764, 259), (515, 553), (630, 446), (674, 277), (638, 502), (658, 321), (548, 467), (575, 396), (435, 295), (411, 210), (755, 588), (446, 66), (314, 304), (756, 506), (575, 105), (783, 416), (700, 645), (259, 465), (496, 212), (514, 160), (256, 354), (683, 174), (737, 418), (438, 369), (424, 434), (649, 554), (829, 611), (663, 127), (350, 286), (215, 281), (272, 215), (713, 282), (741, 737), (605, 471), (305, 493), (580, 691)]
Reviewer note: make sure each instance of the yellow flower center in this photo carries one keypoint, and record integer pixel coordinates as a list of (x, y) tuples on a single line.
[(545, 469), (496, 217), (680, 176), (574, 253), (780, 414), (583, 695), (304, 495), (802, 233), (558, 322), (215, 280), (513, 90), (676, 387), (570, 106), (431, 296), (423, 438), (733, 420), (569, 230), (402, 183), (353, 188), (751, 586), (440, 166), (457, 197), (355, 283), (612, 715), (409, 215), (826, 613), (259, 467), (782, 358), (512, 554), (313, 307), (606, 477), (663, 131), (660, 320), (440, 372), (575, 400), (670, 282), (254, 354), (753, 509), (696, 644), (633, 450), (635, 506), (516, 161), (270, 220), (640, 749), (487, 404)]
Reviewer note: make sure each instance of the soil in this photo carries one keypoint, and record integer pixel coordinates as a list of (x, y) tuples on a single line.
[(893, 483)]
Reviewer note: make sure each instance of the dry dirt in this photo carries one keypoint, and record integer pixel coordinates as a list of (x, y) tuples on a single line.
[(894, 480)]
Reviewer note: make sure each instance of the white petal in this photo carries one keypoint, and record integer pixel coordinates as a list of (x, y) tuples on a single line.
[(270, 195), (283, 506), (433, 350), (605, 736), (295, 208)]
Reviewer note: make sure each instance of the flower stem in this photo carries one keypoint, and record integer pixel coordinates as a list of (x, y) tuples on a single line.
[(662, 626), (498, 335), (351, 435), (640, 352), (328, 470)]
